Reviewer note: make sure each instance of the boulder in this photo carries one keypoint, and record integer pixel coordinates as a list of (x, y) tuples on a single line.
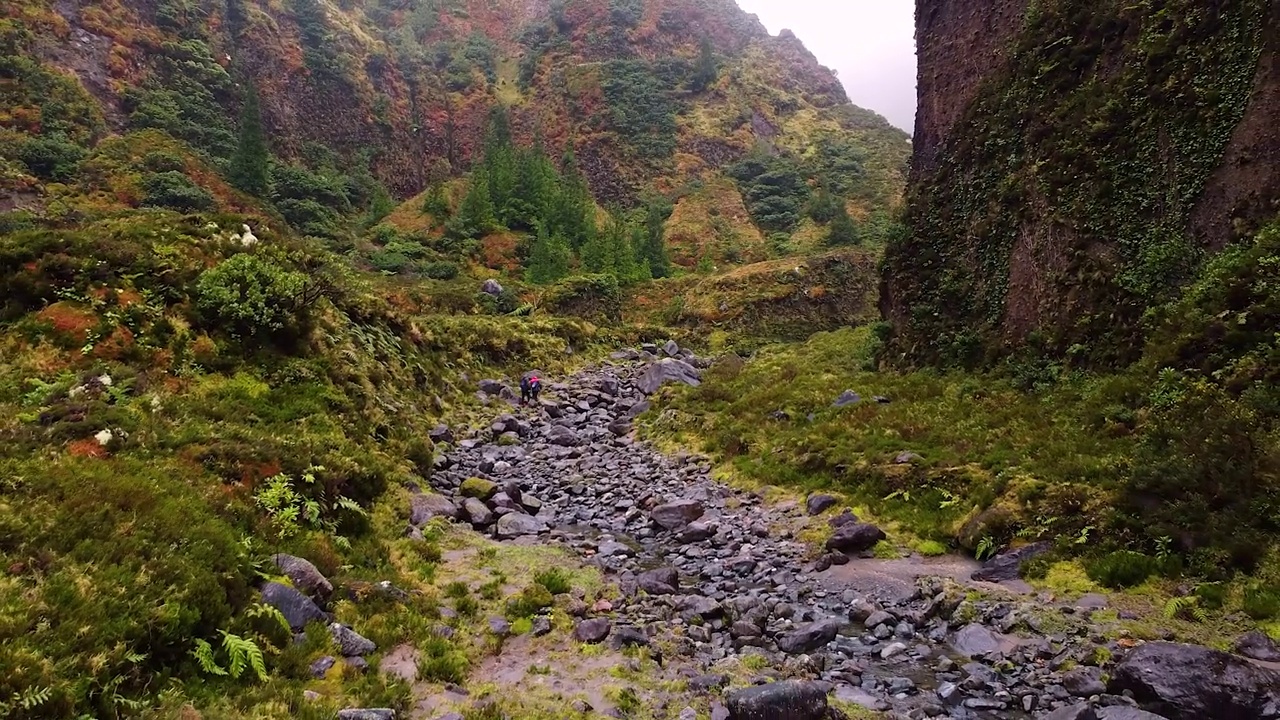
[(1259, 646), (1124, 712), (1084, 682), (1005, 565), (1079, 711), (787, 700), (440, 434), (479, 488), (671, 348), (478, 514), (676, 515), (660, 581), (628, 636), (1185, 682), (491, 287), (298, 609), (819, 503), (304, 576), (541, 626), (974, 640), (321, 666), (350, 642), (697, 531), (513, 525), (425, 506), (847, 398), (844, 518), (668, 370), (855, 537), (562, 436), (493, 387), (592, 631), (808, 638)]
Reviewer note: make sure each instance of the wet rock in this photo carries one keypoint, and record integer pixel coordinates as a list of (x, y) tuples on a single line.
[(298, 609), (304, 576), (1183, 682), (975, 640), (876, 619), (594, 630), (892, 649), (429, 505), (1259, 646), (668, 370), (660, 581), (1005, 565), (676, 515), (350, 642), (697, 531), (1124, 712), (855, 537), (697, 607), (367, 714), (846, 517), (819, 503), (513, 525), (847, 398), (322, 665), (808, 638), (1080, 711), (789, 699)]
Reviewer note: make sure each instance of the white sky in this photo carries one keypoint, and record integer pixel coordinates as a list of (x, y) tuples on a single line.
[(869, 43)]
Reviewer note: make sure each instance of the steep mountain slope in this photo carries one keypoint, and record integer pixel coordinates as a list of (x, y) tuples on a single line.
[(1075, 163), (654, 96)]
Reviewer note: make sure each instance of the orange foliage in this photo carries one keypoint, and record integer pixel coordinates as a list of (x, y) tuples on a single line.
[(115, 346), (498, 252), (69, 320), (87, 447)]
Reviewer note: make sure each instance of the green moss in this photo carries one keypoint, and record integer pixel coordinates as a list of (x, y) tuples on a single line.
[(478, 488)]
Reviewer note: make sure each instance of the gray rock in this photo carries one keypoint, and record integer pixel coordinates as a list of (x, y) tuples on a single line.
[(786, 700), (1080, 711), (357, 664), (855, 537), (367, 714), (321, 666), (907, 458), (350, 642), (876, 619), (1084, 682), (1005, 565), (847, 398), (1183, 682), (1259, 646), (304, 576), (818, 503), (808, 638), (892, 649), (513, 525), (1124, 712), (425, 506), (660, 581), (628, 636), (697, 531), (477, 513), (671, 348), (493, 387), (592, 631), (563, 436), (298, 609), (706, 683), (697, 607), (668, 370), (499, 627), (719, 712), (440, 434), (491, 287), (541, 626), (676, 515), (974, 640), (844, 518)]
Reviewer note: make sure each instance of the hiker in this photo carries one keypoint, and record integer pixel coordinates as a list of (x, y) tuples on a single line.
[(530, 386)]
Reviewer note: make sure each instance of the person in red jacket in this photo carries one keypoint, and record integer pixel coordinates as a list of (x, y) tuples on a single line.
[(530, 386)]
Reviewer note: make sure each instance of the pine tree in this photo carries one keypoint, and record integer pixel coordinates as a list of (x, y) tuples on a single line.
[(549, 260), (653, 247), (824, 206), (705, 72), (475, 215), (248, 170), (842, 230), (572, 212)]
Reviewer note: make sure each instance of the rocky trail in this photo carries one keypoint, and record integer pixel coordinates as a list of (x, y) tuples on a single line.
[(710, 575)]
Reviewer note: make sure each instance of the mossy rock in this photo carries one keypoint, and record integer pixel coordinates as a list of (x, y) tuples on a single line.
[(998, 522), (478, 488)]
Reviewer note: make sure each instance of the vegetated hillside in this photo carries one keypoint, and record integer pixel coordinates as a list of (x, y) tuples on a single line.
[(1098, 210), (356, 100)]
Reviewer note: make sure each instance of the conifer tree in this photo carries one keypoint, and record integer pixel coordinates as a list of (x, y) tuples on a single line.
[(705, 71), (248, 170), (549, 260), (652, 247), (842, 230), (475, 215), (572, 211)]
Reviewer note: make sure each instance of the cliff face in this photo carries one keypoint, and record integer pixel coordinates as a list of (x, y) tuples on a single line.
[(1074, 164)]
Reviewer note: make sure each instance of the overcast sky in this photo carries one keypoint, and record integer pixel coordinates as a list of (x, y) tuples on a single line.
[(869, 43)]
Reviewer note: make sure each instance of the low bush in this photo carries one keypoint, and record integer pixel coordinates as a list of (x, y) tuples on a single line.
[(250, 297), (555, 580), (1121, 569), (174, 190), (529, 602)]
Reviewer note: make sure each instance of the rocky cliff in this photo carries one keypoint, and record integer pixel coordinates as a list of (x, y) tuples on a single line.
[(1074, 164)]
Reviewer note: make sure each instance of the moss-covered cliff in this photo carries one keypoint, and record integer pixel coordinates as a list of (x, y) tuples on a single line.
[(1075, 164)]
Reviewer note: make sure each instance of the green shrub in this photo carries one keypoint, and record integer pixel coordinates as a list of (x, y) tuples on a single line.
[(555, 580), (1261, 602), (1121, 569), (529, 602), (174, 190), (250, 297), (441, 662), (1035, 568), (440, 270), (51, 157)]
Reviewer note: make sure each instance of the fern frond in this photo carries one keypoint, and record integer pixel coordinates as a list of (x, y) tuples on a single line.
[(350, 505), (263, 610), (1187, 608), (256, 660), (244, 653), (203, 653), (34, 697)]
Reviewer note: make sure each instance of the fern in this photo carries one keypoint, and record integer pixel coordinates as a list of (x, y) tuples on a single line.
[(244, 653), (986, 548), (262, 610), (33, 697), (1186, 608), (350, 505), (203, 653)]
